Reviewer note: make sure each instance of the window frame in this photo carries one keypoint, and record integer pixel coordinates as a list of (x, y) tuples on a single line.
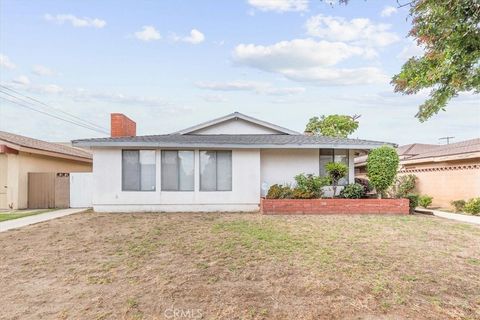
[(216, 170), (333, 160), (178, 171), (139, 171)]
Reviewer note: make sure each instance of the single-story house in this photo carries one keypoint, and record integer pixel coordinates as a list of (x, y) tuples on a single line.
[(21, 155), (225, 164), (445, 172)]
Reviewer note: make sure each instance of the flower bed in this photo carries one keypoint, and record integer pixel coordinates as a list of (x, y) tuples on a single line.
[(334, 206)]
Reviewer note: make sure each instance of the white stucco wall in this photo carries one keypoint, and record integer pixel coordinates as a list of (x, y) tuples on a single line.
[(282, 165), (108, 196), (236, 126)]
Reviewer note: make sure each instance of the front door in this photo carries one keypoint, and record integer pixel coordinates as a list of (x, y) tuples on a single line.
[(3, 181)]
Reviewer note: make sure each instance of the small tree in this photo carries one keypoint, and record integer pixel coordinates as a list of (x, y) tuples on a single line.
[(336, 171), (382, 166), (335, 125)]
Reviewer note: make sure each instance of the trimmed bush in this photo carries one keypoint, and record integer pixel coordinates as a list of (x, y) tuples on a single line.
[(278, 191), (458, 205), (382, 166), (472, 206), (413, 201), (353, 191), (425, 200), (309, 186), (336, 171)]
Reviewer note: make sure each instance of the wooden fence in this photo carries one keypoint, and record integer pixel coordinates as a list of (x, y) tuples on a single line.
[(48, 190)]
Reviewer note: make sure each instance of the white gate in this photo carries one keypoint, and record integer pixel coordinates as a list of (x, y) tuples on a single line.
[(81, 189)]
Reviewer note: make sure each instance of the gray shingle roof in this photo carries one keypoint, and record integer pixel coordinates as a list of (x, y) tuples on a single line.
[(236, 141)]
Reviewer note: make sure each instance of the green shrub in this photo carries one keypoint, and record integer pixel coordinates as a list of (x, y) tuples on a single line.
[(413, 201), (472, 206), (353, 191), (458, 205), (278, 191), (425, 200), (309, 186), (382, 166), (364, 183), (336, 171), (403, 185)]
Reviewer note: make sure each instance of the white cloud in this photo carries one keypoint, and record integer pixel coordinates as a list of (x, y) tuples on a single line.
[(307, 60), (297, 53), (214, 98), (279, 5), (388, 11), (148, 33), (5, 62), (75, 21), (336, 76), (40, 70), (358, 31), (119, 98), (49, 88), (195, 37), (411, 49), (23, 80), (253, 86)]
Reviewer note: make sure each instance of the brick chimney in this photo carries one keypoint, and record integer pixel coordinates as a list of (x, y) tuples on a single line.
[(122, 126)]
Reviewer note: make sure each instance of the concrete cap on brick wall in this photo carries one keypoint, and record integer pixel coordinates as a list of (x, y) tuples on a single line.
[(122, 126)]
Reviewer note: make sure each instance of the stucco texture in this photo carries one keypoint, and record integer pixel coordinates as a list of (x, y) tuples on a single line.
[(17, 167)]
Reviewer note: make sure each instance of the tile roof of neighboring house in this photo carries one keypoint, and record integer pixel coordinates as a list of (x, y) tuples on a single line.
[(462, 147), (227, 140), (31, 143), (416, 151), (416, 148)]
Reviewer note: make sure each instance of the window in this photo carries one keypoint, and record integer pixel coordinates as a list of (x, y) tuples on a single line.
[(177, 170), (215, 170), (138, 170), (333, 155)]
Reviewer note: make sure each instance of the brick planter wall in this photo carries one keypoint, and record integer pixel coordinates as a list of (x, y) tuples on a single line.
[(334, 206)]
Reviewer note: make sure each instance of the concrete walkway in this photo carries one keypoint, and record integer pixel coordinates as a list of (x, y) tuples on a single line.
[(453, 216), (25, 221)]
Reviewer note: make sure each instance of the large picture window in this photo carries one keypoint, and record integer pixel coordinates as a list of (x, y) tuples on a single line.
[(138, 170), (334, 155), (177, 170), (215, 170)]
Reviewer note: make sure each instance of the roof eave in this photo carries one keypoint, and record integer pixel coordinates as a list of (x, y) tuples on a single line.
[(120, 144)]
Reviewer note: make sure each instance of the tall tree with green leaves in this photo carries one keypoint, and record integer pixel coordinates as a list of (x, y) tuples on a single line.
[(334, 125), (449, 33)]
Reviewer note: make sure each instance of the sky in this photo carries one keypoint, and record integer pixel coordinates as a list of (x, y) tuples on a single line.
[(173, 64)]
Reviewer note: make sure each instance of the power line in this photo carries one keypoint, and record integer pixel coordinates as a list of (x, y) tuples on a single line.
[(51, 115), (53, 108)]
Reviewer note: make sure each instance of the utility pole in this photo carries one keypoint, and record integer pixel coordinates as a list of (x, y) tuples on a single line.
[(446, 138)]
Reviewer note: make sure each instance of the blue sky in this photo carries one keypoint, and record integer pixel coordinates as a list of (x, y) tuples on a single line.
[(172, 64)]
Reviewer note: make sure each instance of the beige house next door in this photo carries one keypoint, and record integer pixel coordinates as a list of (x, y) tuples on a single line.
[(3, 181)]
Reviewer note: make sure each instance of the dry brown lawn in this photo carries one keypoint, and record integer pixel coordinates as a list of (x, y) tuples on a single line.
[(240, 266)]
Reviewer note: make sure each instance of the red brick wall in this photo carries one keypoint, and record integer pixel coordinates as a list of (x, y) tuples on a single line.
[(334, 206), (122, 126)]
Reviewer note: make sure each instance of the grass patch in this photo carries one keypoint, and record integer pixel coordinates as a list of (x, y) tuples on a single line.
[(10, 215)]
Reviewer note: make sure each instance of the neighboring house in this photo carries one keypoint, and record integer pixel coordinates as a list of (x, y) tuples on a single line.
[(445, 172), (21, 155), (221, 165)]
